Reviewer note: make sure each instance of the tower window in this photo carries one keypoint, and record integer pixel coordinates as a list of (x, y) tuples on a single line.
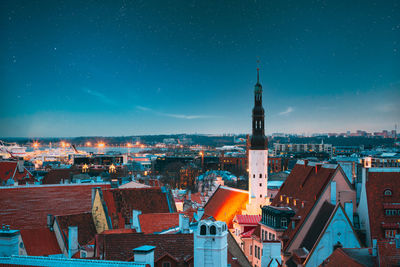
[(213, 230), (254, 176), (387, 192), (203, 230), (260, 175), (260, 184), (260, 196)]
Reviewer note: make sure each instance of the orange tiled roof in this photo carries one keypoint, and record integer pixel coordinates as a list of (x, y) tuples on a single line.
[(225, 203), (8, 169), (27, 207), (306, 185), (339, 259), (121, 202), (84, 221), (40, 242), (157, 222)]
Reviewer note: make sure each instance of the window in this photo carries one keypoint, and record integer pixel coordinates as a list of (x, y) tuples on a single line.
[(260, 196), (258, 253), (203, 230), (260, 184), (251, 250), (284, 223), (390, 233), (255, 251), (254, 176), (166, 264), (260, 175), (387, 192), (270, 236), (213, 230)]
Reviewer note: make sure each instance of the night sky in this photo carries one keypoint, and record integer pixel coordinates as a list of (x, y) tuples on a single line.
[(77, 68)]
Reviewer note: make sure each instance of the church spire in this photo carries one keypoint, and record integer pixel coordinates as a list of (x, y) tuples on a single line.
[(258, 139)]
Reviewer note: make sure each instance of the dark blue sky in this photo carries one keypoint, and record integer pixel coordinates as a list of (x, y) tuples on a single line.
[(73, 68)]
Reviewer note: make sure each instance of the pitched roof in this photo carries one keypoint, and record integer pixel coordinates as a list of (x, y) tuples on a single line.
[(119, 246), (84, 221), (342, 257), (377, 182), (40, 242), (157, 222), (318, 225), (306, 185), (121, 202), (55, 176), (9, 169), (247, 219), (225, 203), (27, 207)]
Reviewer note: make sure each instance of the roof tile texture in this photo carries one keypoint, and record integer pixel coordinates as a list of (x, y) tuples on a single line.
[(27, 207)]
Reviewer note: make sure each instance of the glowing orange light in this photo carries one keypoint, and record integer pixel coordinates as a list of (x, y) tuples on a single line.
[(101, 145), (129, 145), (62, 143), (88, 144), (35, 144)]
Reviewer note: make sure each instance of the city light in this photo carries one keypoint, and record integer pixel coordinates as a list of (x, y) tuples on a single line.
[(88, 144), (35, 145), (101, 145), (129, 145)]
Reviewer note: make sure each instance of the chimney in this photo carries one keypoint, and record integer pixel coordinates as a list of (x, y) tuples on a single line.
[(374, 248), (317, 167), (135, 224), (50, 221), (73, 245), (199, 214), (305, 162), (144, 255), (348, 207), (9, 241), (333, 193), (184, 223), (20, 165)]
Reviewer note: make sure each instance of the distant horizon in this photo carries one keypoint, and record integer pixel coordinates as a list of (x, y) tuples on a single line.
[(201, 134)]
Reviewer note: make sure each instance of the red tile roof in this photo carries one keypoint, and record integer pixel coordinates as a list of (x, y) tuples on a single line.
[(8, 169), (225, 203), (339, 259), (55, 176), (247, 219), (248, 233), (119, 246), (306, 185), (376, 184), (121, 202), (27, 207), (157, 222), (40, 242), (84, 221)]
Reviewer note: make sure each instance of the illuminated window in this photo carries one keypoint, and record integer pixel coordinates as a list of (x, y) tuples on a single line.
[(390, 233)]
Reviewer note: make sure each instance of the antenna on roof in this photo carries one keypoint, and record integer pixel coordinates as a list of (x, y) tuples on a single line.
[(258, 69)]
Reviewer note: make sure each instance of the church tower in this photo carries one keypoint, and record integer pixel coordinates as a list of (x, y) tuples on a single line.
[(258, 156)]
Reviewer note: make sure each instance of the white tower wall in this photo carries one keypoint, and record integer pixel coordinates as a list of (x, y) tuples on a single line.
[(211, 249), (258, 181)]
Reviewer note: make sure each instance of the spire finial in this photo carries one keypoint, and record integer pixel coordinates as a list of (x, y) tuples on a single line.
[(258, 69)]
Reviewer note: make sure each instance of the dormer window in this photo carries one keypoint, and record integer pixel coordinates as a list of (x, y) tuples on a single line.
[(213, 230), (203, 230), (387, 192)]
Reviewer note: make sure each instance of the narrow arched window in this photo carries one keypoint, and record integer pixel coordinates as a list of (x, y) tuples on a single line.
[(203, 230), (213, 230)]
